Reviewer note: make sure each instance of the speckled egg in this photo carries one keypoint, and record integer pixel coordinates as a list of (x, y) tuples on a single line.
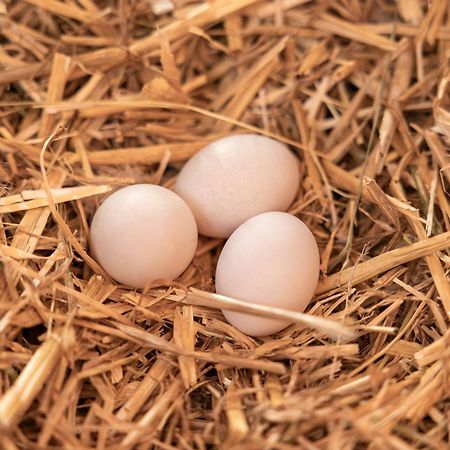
[(235, 178)]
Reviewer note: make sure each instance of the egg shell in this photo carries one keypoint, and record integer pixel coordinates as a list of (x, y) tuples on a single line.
[(235, 178), (272, 259), (142, 233)]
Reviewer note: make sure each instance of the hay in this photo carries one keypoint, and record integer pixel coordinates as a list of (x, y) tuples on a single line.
[(98, 95)]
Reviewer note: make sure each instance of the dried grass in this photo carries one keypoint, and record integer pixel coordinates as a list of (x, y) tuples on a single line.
[(96, 95)]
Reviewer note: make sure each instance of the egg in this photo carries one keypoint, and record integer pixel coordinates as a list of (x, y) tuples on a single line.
[(235, 178), (272, 259), (142, 233)]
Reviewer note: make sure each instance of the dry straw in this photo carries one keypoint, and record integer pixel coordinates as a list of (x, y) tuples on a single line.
[(97, 95)]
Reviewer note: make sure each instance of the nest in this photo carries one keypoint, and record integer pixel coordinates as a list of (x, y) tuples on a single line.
[(96, 95)]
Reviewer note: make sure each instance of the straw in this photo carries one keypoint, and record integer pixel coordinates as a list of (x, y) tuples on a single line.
[(97, 95)]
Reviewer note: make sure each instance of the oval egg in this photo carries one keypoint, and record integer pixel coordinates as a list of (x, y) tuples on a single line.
[(142, 233), (235, 178), (271, 259)]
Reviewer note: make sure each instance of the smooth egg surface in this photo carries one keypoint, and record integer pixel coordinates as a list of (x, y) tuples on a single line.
[(235, 178), (142, 233), (271, 259)]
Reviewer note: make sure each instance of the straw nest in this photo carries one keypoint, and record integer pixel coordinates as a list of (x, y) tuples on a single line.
[(98, 95)]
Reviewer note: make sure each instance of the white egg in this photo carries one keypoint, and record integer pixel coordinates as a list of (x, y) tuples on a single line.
[(235, 178), (271, 259), (142, 233)]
